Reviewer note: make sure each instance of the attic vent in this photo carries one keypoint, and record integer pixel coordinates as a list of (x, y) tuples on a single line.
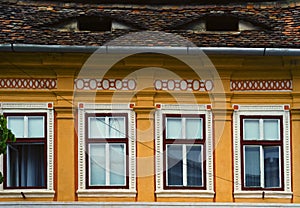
[(91, 23), (94, 24), (221, 23)]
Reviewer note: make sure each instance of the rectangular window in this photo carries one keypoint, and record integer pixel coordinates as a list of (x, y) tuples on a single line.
[(261, 144), (184, 144), (26, 164), (107, 145)]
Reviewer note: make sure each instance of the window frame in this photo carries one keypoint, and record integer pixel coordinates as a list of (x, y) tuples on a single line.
[(184, 110), (30, 140), (100, 109), (262, 143), (106, 140), (263, 111), (184, 141), (33, 108)]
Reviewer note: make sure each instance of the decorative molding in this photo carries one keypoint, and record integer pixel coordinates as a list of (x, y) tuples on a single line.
[(28, 83), (279, 110), (84, 108), (261, 85), (159, 153), (184, 85), (104, 84), (33, 108)]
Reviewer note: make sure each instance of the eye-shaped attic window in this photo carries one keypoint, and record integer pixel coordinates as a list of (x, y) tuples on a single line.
[(219, 24), (92, 24)]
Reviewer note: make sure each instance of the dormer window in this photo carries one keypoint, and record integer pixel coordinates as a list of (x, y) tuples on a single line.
[(95, 24), (92, 24), (219, 24)]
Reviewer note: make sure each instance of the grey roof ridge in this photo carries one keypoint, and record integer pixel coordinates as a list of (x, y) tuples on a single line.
[(184, 50)]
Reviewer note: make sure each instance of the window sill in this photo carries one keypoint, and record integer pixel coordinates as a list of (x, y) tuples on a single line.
[(185, 193), (106, 193), (33, 193), (263, 194)]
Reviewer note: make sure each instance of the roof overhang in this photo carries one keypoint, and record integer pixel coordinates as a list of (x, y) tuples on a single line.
[(149, 49)]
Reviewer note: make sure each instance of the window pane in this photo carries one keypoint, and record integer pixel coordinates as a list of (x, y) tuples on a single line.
[(97, 127), (35, 126), (174, 128), (97, 164), (194, 128), (117, 164), (12, 161), (16, 124), (271, 165), (251, 129), (26, 166), (271, 129), (117, 127), (174, 165), (252, 166), (194, 166)]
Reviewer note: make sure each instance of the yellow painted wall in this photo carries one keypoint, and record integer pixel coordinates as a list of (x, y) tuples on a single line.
[(65, 68)]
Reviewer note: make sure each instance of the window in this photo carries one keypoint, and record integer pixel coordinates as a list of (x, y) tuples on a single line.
[(262, 147), (262, 136), (28, 164), (106, 149), (25, 165), (222, 23), (107, 145), (184, 142), (184, 151)]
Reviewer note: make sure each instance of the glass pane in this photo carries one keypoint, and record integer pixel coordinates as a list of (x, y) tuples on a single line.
[(36, 126), (174, 165), (194, 166), (251, 129), (12, 160), (97, 164), (16, 124), (117, 127), (174, 128), (194, 128), (271, 129), (117, 164), (97, 127), (26, 165), (252, 166), (271, 164)]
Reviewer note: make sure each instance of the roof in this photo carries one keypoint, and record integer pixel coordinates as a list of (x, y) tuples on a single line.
[(33, 22)]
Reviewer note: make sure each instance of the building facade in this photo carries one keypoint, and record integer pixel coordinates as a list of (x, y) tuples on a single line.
[(150, 105)]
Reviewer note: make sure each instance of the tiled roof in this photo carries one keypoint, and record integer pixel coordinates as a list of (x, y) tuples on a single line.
[(31, 22)]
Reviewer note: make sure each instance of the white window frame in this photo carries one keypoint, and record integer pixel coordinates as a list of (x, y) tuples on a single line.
[(159, 154), (262, 110), (82, 191), (10, 107)]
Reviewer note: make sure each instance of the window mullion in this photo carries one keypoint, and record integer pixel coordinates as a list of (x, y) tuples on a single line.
[(183, 132), (262, 168), (261, 129), (184, 165), (107, 164), (107, 127), (25, 126)]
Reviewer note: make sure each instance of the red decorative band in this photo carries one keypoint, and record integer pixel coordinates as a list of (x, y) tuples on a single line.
[(261, 85), (28, 83)]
